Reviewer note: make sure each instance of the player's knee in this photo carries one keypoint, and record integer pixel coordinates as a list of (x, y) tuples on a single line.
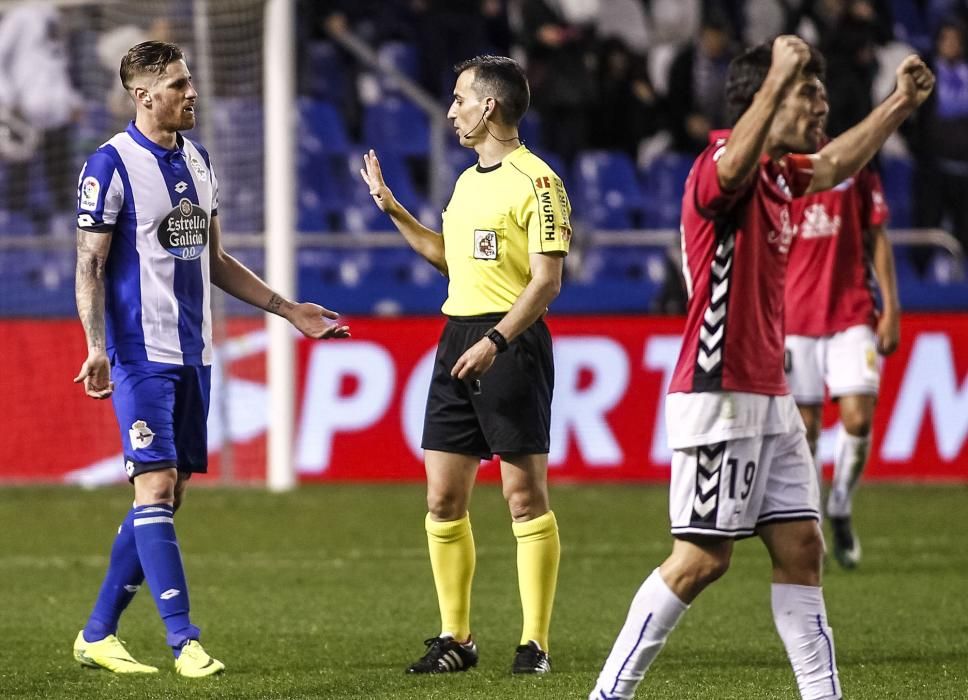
[(804, 557), (690, 572), (857, 423), (445, 505), (155, 487), (526, 503)]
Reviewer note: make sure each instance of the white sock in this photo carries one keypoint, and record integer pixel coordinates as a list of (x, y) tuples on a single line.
[(849, 460), (801, 620), (654, 612)]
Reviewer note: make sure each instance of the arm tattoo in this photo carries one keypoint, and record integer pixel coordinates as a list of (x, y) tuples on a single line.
[(275, 302), (89, 294)]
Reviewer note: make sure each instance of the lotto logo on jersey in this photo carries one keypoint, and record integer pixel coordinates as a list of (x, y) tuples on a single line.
[(90, 189), (542, 183), (184, 232)]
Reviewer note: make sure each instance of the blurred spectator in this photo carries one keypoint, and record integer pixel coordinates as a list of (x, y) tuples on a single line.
[(941, 139), (40, 102), (628, 109), (849, 37), (696, 81), (450, 31), (557, 36)]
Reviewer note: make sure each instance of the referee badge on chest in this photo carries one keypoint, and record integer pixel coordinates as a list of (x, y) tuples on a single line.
[(485, 244)]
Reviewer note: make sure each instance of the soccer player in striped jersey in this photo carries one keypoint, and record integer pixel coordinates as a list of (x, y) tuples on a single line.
[(148, 251), (741, 465)]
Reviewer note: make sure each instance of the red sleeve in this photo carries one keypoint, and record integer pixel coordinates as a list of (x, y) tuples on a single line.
[(875, 211), (799, 174), (711, 198)]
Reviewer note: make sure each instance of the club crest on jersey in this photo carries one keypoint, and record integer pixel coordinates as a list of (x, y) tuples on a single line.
[(90, 189), (184, 232), (199, 168), (140, 435), (485, 244)]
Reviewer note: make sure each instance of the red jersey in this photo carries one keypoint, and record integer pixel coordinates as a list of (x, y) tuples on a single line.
[(829, 287), (735, 247)]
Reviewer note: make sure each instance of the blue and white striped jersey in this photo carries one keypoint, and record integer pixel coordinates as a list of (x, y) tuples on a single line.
[(158, 203)]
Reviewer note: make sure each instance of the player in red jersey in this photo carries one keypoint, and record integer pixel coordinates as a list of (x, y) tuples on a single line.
[(741, 465), (834, 332)]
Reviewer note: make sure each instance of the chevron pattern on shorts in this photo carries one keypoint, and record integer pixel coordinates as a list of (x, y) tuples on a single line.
[(709, 462)]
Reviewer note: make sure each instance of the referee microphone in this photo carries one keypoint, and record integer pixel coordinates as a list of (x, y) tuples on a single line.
[(481, 121), (476, 126)]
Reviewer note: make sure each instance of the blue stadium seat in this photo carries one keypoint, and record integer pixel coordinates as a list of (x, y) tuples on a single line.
[(321, 129), (530, 131), (897, 176), (402, 56), (606, 189), (323, 71), (238, 158), (325, 187), (15, 223), (663, 184), (396, 125)]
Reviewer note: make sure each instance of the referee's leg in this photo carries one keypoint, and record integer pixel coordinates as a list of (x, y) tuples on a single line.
[(525, 483), (450, 479)]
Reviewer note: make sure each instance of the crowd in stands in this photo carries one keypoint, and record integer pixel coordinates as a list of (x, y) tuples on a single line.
[(624, 94)]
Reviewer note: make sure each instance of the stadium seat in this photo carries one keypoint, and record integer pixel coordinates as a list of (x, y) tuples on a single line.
[(402, 56), (663, 183), (324, 72), (238, 159), (530, 131), (897, 176), (321, 129), (15, 223), (396, 125), (606, 189)]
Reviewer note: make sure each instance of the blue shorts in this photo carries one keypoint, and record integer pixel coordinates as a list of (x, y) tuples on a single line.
[(162, 413)]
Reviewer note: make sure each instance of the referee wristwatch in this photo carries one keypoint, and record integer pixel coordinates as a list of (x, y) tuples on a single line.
[(496, 337)]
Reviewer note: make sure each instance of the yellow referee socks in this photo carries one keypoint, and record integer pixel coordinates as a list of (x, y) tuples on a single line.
[(452, 557), (539, 551)]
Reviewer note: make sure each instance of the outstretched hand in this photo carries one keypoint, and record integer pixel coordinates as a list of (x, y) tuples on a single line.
[(313, 321), (373, 177), (95, 373), (915, 81)]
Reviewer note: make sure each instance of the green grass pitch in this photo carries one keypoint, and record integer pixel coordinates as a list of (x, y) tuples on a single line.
[(327, 593)]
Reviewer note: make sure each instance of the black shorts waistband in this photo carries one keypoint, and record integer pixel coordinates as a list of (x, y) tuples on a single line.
[(475, 320)]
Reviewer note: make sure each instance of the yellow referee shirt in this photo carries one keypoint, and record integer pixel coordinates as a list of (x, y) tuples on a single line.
[(495, 219)]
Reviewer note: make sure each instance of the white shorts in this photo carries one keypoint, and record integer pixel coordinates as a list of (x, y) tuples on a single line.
[(730, 488), (846, 363)]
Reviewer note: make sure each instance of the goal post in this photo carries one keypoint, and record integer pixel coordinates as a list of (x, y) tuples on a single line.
[(279, 94)]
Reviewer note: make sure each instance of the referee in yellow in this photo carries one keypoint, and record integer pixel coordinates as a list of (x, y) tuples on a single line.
[(506, 233)]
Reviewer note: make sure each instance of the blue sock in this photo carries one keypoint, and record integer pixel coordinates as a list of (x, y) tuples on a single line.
[(121, 582), (154, 532)]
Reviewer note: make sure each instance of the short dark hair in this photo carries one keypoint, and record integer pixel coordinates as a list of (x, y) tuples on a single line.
[(502, 78), (148, 57), (748, 71)]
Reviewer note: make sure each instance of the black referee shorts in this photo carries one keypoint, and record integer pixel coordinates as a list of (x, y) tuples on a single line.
[(512, 412)]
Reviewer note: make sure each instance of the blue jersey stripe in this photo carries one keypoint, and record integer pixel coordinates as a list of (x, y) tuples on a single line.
[(123, 300), (188, 285)]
